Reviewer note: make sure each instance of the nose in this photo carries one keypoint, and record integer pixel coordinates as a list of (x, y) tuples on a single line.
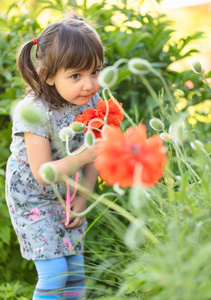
[(88, 84)]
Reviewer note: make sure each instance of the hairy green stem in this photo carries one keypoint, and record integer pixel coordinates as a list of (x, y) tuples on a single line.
[(119, 62), (168, 92), (202, 75), (150, 89), (119, 106), (194, 174), (75, 153), (106, 202), (90, 127)]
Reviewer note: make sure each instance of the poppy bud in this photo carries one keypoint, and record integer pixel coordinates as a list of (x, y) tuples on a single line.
[(139, 65), (177, 131), (77, 126), (137, 197), (89, 138), (108, 77), (134, 235), (66, 132), (32, 114), (197, 67), (156, 124), (166, 137), (48, 173), (197, 145), (118, 190)]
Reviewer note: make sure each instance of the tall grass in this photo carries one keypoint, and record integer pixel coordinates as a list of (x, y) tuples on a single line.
[(176, 263)]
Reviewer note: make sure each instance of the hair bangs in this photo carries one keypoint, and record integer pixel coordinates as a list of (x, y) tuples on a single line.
[(79, 50)]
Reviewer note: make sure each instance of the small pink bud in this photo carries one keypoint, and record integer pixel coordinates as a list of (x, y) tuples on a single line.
[(189, 84)]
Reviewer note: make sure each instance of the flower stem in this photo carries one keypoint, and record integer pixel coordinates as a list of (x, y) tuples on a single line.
[(119, 62), (105, 201), (202, 75), (150, 89), (119, 106), (88, 209), (92, 120), (194, 174), (168, 92), (90, 127), (75, 153)]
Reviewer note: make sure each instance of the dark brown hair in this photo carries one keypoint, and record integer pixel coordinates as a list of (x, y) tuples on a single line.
[(69, 43)]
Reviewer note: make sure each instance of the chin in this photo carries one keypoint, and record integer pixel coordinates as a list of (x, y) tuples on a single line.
[(84, 101)]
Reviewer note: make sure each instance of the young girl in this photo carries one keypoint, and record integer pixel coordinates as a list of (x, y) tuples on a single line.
[(69, 55)]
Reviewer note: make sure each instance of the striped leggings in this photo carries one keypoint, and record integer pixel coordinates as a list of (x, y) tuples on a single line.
[(60, 278)]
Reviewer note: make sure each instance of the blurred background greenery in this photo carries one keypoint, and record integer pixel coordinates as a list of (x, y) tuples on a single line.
[(178, 213)]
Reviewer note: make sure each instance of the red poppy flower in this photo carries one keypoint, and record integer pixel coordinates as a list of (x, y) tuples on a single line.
[(120, 153), (115, 115)]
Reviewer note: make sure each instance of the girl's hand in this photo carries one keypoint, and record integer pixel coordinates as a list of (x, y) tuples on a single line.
[(89, 154), (77, 205)]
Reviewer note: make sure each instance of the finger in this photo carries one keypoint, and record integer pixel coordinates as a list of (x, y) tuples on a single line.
[(70, 219), (76, 223)]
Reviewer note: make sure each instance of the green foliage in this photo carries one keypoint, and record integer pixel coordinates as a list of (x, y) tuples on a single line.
[(15, 291), (176, 211)]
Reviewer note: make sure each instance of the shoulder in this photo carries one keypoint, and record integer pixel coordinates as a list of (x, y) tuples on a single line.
[(30, 115), (32, 103), (30, 99)]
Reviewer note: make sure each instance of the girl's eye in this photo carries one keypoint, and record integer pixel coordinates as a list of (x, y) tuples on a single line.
[(75, 76), (95, 72)]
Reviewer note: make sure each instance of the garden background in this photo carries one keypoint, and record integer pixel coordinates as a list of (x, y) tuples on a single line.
[(174, 260)]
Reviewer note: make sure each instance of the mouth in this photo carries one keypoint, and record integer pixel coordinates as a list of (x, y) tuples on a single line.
[(86, 96)]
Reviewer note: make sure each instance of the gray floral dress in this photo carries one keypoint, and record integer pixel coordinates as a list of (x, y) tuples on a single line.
[(35, 211)]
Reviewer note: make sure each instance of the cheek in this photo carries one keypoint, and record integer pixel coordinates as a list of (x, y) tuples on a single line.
[(97, 85)]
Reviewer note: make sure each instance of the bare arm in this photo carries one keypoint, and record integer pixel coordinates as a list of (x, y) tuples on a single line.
[(90, 176), (39, 152)]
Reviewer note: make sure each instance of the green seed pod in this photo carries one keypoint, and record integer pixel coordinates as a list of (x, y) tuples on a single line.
[(32, 114), (108, 77), (139, 66), (48, 173), (156, 124), (66, 132), (197, 67), (78, 127), (89, 138)]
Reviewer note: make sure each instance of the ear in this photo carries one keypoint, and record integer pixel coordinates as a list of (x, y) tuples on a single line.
[(50, 81), (43, 74)]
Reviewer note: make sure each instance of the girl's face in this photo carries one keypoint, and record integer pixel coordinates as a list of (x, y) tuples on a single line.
[(76, 87)]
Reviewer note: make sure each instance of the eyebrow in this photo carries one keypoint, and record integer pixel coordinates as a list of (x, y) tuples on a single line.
[(74, 71)]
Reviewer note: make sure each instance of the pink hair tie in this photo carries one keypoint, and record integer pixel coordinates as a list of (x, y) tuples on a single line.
[(35, 41), (69, 199)]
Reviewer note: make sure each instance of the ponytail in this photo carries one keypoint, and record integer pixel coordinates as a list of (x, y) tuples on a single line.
[(27, 69)]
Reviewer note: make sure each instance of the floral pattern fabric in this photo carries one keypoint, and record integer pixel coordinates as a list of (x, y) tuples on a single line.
[(35, 211)]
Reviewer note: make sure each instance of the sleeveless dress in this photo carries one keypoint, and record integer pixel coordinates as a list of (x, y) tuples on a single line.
[(35, 210)]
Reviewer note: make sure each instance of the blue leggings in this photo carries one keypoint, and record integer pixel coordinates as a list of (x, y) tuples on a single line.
[(60, 278)]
